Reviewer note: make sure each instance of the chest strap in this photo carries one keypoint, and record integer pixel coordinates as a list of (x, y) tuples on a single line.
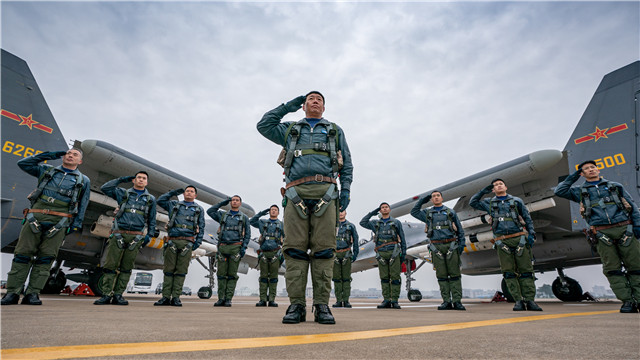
[(47, 212), (499, 238), (445, 241), (604, 227), (127, 232), (316, 178), (188, 238)]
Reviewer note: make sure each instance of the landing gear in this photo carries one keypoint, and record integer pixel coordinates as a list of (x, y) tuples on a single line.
[(414, 295), (206, 292), (566, 288), (56, 281)]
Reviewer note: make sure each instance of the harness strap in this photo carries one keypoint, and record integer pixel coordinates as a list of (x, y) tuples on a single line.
[(445, 241), (316, 178), (493, 241), (188, 238), (127, 232), (48, 212), (385, 244), (604, 227)]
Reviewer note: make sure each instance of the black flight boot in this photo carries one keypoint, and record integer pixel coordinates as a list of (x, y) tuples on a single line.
[(346, 304), (273, 303), (261, 303), (220, 302), (296, 313), (627, 307), (119, 300), (385, 304), (532, 306), (31, 299), (227, 303), (519, 306), (323, 314), (104, 300), (338, 304), (395, 305), (10, 299), (445, 306), (176, 302), (162, 302), (458, 306)]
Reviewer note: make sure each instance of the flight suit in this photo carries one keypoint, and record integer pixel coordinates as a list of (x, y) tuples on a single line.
[(185, 231), (233, 237), (347, 250), (269, 255), (614, 225), (136, 212), (511, 242), (310, 213), (447, 243), (62, 191), (391, 249)]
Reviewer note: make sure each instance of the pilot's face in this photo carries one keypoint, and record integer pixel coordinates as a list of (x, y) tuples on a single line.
[(314, 106), (274, 212), (72, 159), (190, 194), (436, 199), (385, 210), (499, 187), (140, 182), (342, 216), (235, 203), (590, 171)]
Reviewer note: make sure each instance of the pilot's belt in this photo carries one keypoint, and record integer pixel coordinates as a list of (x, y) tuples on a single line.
[(235, 243), (493, 241), (127, 232), (445, 241), (47, 212), (188, 238), (345, 249), (604, 227), (316, 178), (385, 244)]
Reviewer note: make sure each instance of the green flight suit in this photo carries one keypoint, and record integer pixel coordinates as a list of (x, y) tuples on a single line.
[(269, 263), (448, 272), (342, 275), (119, 263), (626, 288), (389, 275), (228, 263), (177, 256)]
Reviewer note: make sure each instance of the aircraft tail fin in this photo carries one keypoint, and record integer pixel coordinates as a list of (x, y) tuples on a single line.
[(608, 130), (27, 128)]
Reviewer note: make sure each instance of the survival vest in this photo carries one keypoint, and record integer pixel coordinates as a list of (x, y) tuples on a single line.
[(124, 207), (330, 148), (73, 194), (276, 235), (615, 197), (448, 223), (512, 215), (392, 232), (223, 225), (193, 219)]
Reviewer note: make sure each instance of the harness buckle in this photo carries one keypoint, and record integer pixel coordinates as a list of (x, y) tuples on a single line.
[(501, 218), (438, 227), (318, 178), (302, 207), (50, 199), (297, 153), (133, 211)]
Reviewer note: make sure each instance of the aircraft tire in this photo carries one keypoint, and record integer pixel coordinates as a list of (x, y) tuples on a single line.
[(94, 279), (414, 295), (55, 284), (205, 292), (571, 292), (505, 291)]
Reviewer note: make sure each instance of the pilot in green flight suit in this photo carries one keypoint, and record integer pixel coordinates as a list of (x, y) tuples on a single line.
[(446, 244), (391, 249), (136, 211), (270, 254), (185, 231), (314, 156), (512, 243), (233, 237), (614, 219), (346, 252), (57, 207)]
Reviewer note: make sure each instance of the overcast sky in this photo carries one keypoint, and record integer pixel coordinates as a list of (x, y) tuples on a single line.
[(424, 91)]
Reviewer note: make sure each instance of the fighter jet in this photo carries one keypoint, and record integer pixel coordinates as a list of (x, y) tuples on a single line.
[(28, 128), (607, 133)]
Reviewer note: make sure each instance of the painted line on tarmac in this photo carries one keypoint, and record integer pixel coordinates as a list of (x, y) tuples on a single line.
[(146, 348)]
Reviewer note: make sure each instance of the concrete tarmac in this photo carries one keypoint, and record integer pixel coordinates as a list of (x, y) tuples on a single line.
[(72, 327)]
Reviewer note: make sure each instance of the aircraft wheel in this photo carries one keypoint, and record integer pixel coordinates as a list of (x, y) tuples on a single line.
[(505, 291), (55, 284), (572, 291), (414, 295), (205, 292), (94, 280)]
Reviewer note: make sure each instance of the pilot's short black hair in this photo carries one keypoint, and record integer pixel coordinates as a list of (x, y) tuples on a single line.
[(191, 186), (498, 179), (315, 92), (142, 172), (238, 196), (384, 203), (78, 150), (436, 191), (585, 163), (274, 205)]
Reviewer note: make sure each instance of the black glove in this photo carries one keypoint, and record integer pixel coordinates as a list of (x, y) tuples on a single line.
[(225, 202), (295, 104), (425, 199), (402, 257), (179, 191), (373, 212), (195, 245), (147, 239), (52, 155), (636, 232), (265, 212), (344, 199), (460, 246), (531, 239), (242, 252), (128, 178), (488, 189), (353, 258)]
